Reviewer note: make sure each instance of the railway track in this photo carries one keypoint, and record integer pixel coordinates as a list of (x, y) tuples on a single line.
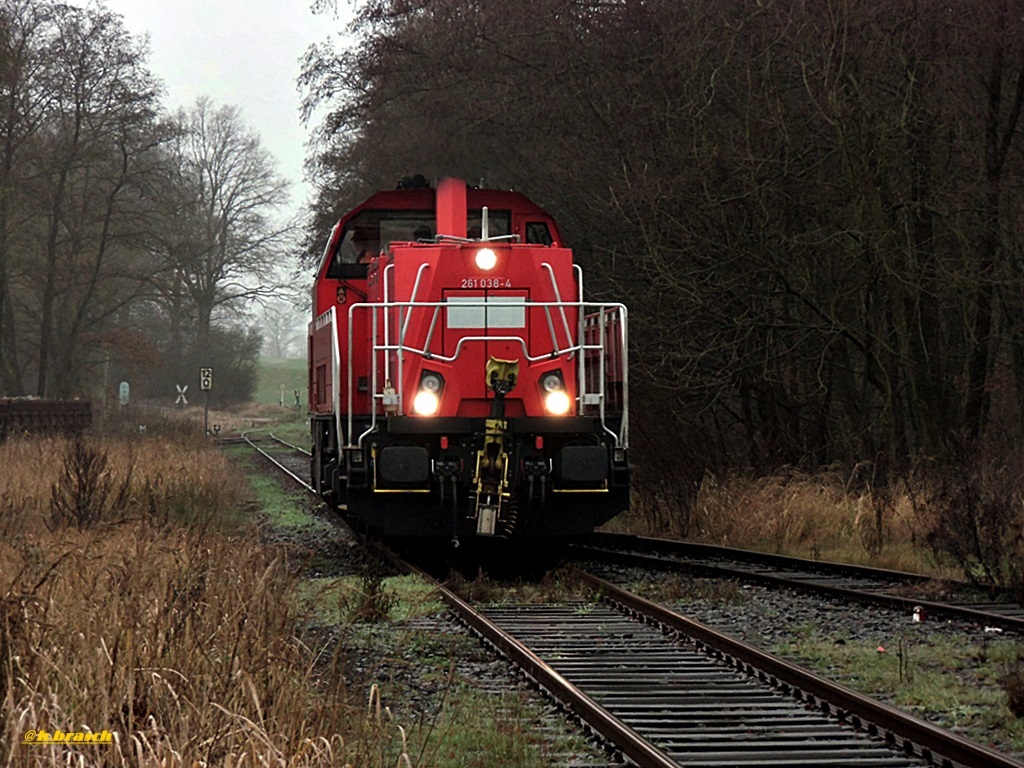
[(693, 704), (668, 691), (559, 735), (904, 592)]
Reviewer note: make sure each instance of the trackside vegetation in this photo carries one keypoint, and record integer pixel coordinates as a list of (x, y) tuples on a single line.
[(962, 519), (151, 611), (138, 597)]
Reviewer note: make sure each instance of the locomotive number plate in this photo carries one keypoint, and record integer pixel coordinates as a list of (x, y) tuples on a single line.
[(486, 282)]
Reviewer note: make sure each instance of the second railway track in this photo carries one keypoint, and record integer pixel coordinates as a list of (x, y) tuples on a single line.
[(898, 590), (704, 699)]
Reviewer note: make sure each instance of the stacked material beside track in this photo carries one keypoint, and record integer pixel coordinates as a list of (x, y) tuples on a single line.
[(32, 415)]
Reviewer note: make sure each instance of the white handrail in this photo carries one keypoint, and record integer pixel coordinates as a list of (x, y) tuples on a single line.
[(561, 304), (602, 312)]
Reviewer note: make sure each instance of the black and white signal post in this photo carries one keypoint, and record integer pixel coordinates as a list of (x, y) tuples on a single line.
[(205, 385)]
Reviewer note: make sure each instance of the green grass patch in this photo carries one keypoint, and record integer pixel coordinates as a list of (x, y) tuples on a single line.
[(284, 509), (338, 600), (446, 715), (926, 675), (295, 432), (477, 728), (273, 374), (467, 726)]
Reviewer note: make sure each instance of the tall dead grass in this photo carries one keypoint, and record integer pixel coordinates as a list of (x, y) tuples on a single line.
[(819, 515), (179, 638), (974, 506)]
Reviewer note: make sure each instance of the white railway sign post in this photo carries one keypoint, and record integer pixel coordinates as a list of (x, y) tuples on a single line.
[(205, 385), (181, 401)]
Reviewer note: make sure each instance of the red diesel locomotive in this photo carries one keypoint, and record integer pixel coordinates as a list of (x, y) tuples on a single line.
[(458, 383)]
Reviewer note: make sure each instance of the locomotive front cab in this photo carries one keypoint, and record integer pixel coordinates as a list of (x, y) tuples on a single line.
[(477, 393)]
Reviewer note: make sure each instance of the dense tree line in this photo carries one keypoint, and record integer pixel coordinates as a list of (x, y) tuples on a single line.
[(128, 236), (814, 209)]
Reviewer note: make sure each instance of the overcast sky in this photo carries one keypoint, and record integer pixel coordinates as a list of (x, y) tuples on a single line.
[(241, 52)]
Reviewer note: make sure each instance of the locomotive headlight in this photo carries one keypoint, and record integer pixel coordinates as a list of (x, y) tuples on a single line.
[(426, 403), (431, 382), (486, 259), (557, 402), (428, 397), (556, 399)]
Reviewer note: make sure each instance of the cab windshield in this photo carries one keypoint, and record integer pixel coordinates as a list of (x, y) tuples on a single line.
[(366, 234)]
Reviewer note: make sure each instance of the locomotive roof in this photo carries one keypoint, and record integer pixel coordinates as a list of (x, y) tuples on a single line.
[(423, 199)]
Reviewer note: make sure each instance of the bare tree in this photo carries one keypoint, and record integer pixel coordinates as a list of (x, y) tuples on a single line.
[(283, 326), (78, 117), (24, 28), (221, 235), (105, 158)]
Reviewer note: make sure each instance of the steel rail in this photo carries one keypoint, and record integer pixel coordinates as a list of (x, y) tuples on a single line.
[(628, 741), (929, 740), (864, 596), (624, 738), (279, 465)]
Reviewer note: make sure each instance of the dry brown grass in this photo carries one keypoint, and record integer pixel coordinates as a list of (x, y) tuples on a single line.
[(179, 639), (813, 515), (235, 419), (170, 475)]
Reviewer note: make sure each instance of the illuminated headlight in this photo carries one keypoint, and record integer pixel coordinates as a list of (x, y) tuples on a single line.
[(486, 259), (557, 403), (426, 403), (428, 396), (552, 389)]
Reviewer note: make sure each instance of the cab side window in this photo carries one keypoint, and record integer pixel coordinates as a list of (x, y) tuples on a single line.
[(351, 256), (537, 233), (360, 242), (366, 234)]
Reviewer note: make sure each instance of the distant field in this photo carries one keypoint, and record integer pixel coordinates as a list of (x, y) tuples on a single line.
[(275, 373)]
